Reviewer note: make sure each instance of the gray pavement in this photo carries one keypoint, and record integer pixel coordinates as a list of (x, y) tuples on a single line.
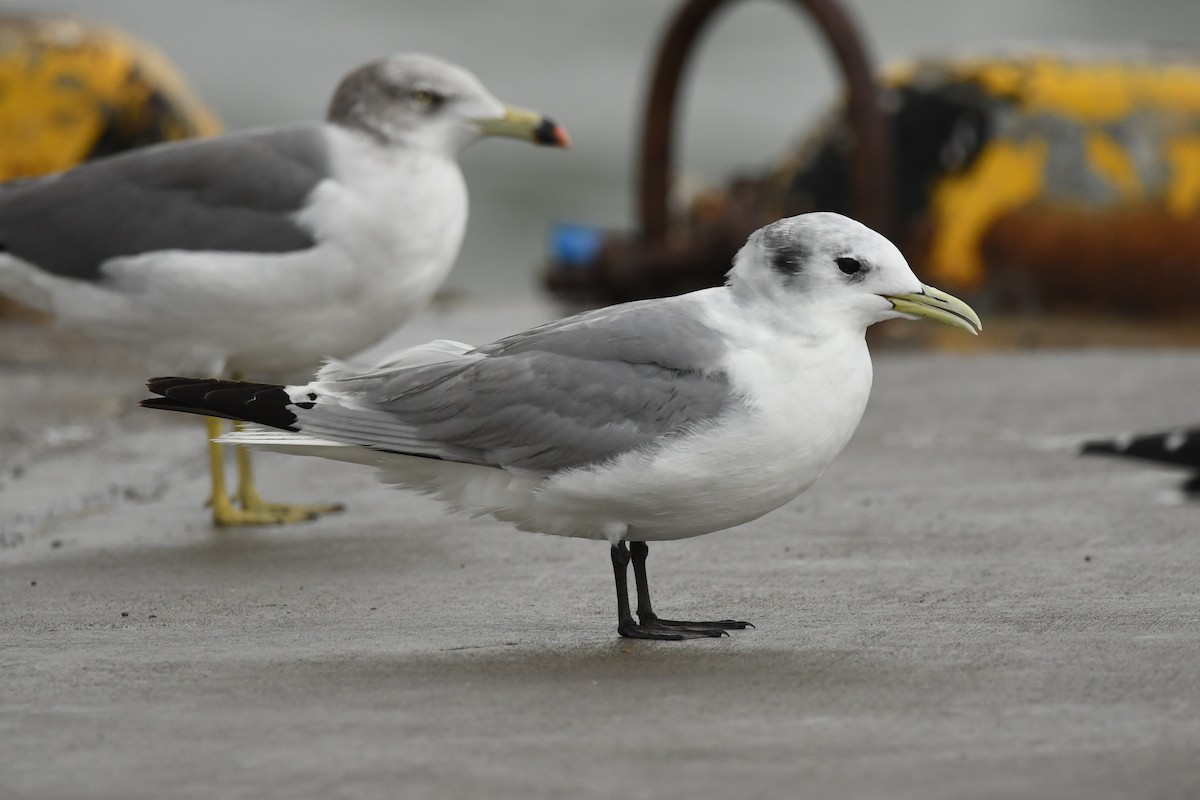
[(961, 608)]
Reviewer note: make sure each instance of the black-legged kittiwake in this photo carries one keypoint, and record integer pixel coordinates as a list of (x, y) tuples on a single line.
[(653, 420), (265, 252)]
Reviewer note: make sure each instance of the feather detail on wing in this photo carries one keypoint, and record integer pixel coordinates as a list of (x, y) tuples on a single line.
[(239, 192), (564, 395)]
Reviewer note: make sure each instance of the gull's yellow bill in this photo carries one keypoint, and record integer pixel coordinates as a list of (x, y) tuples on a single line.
[(934, 304)]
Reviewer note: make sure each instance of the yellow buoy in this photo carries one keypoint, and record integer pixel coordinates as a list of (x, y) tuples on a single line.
[(71, 90)]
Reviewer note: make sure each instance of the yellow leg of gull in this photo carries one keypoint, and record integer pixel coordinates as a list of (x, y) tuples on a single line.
[(254, 510), (252, 502), (223, 512)]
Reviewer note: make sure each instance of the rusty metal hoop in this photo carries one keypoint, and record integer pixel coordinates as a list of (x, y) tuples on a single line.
[(872, 162)]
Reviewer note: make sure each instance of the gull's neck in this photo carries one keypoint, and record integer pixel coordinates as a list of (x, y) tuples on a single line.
[(805, 377), (806, 322), (420, 143)]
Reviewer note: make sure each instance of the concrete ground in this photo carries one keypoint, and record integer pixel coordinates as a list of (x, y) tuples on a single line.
[(962, 608)]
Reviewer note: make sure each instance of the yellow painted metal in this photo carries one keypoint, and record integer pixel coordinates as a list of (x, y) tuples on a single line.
[(68, 86), (1088, 98), (1183, 196), (1006, 176)]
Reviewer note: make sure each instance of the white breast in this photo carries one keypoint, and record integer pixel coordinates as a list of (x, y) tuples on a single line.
[(801, 406), (399, 215)]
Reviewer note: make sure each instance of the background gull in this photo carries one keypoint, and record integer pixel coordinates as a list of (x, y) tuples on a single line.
[(653, 420), (264, 252)]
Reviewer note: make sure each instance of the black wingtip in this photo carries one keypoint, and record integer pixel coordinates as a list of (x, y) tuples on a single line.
[(165, 384), (263, 403)]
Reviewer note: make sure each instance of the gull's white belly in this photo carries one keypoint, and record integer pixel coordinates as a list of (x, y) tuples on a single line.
[(751, 462)]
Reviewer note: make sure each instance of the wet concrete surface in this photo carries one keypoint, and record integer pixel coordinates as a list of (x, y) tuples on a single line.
[(961, 608)]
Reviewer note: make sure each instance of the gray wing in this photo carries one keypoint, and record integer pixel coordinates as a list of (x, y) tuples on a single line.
[(568, 394), (237, 192)]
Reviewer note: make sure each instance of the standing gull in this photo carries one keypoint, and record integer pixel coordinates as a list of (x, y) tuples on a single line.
[(660, 419), (263, 253)]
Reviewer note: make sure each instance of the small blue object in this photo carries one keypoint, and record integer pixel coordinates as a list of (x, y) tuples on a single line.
[(575, 245)]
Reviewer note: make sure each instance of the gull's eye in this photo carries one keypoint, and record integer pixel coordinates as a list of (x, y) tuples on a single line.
[(848, 265), (427, 98)]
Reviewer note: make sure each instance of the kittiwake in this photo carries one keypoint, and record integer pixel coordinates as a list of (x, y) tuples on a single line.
[(653, 420)]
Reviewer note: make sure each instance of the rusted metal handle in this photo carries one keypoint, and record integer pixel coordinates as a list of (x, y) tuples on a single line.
[(872, 162)]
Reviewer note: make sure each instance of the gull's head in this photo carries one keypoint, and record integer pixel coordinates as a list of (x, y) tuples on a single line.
[(824, 269), (420, 101)]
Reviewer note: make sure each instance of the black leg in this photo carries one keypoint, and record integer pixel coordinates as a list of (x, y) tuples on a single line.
[(638, 552), (626, 626), (620, 562)]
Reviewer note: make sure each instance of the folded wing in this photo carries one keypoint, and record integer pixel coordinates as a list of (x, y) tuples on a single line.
[(238, 192)]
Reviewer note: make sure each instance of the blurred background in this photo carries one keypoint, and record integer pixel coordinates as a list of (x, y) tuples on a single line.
[(762, 79)]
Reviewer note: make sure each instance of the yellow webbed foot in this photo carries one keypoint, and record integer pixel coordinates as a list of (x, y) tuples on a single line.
[(253, 504), (225, 514), (247, 507)]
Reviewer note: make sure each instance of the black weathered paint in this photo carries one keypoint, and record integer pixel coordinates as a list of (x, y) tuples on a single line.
[(923, 125)]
